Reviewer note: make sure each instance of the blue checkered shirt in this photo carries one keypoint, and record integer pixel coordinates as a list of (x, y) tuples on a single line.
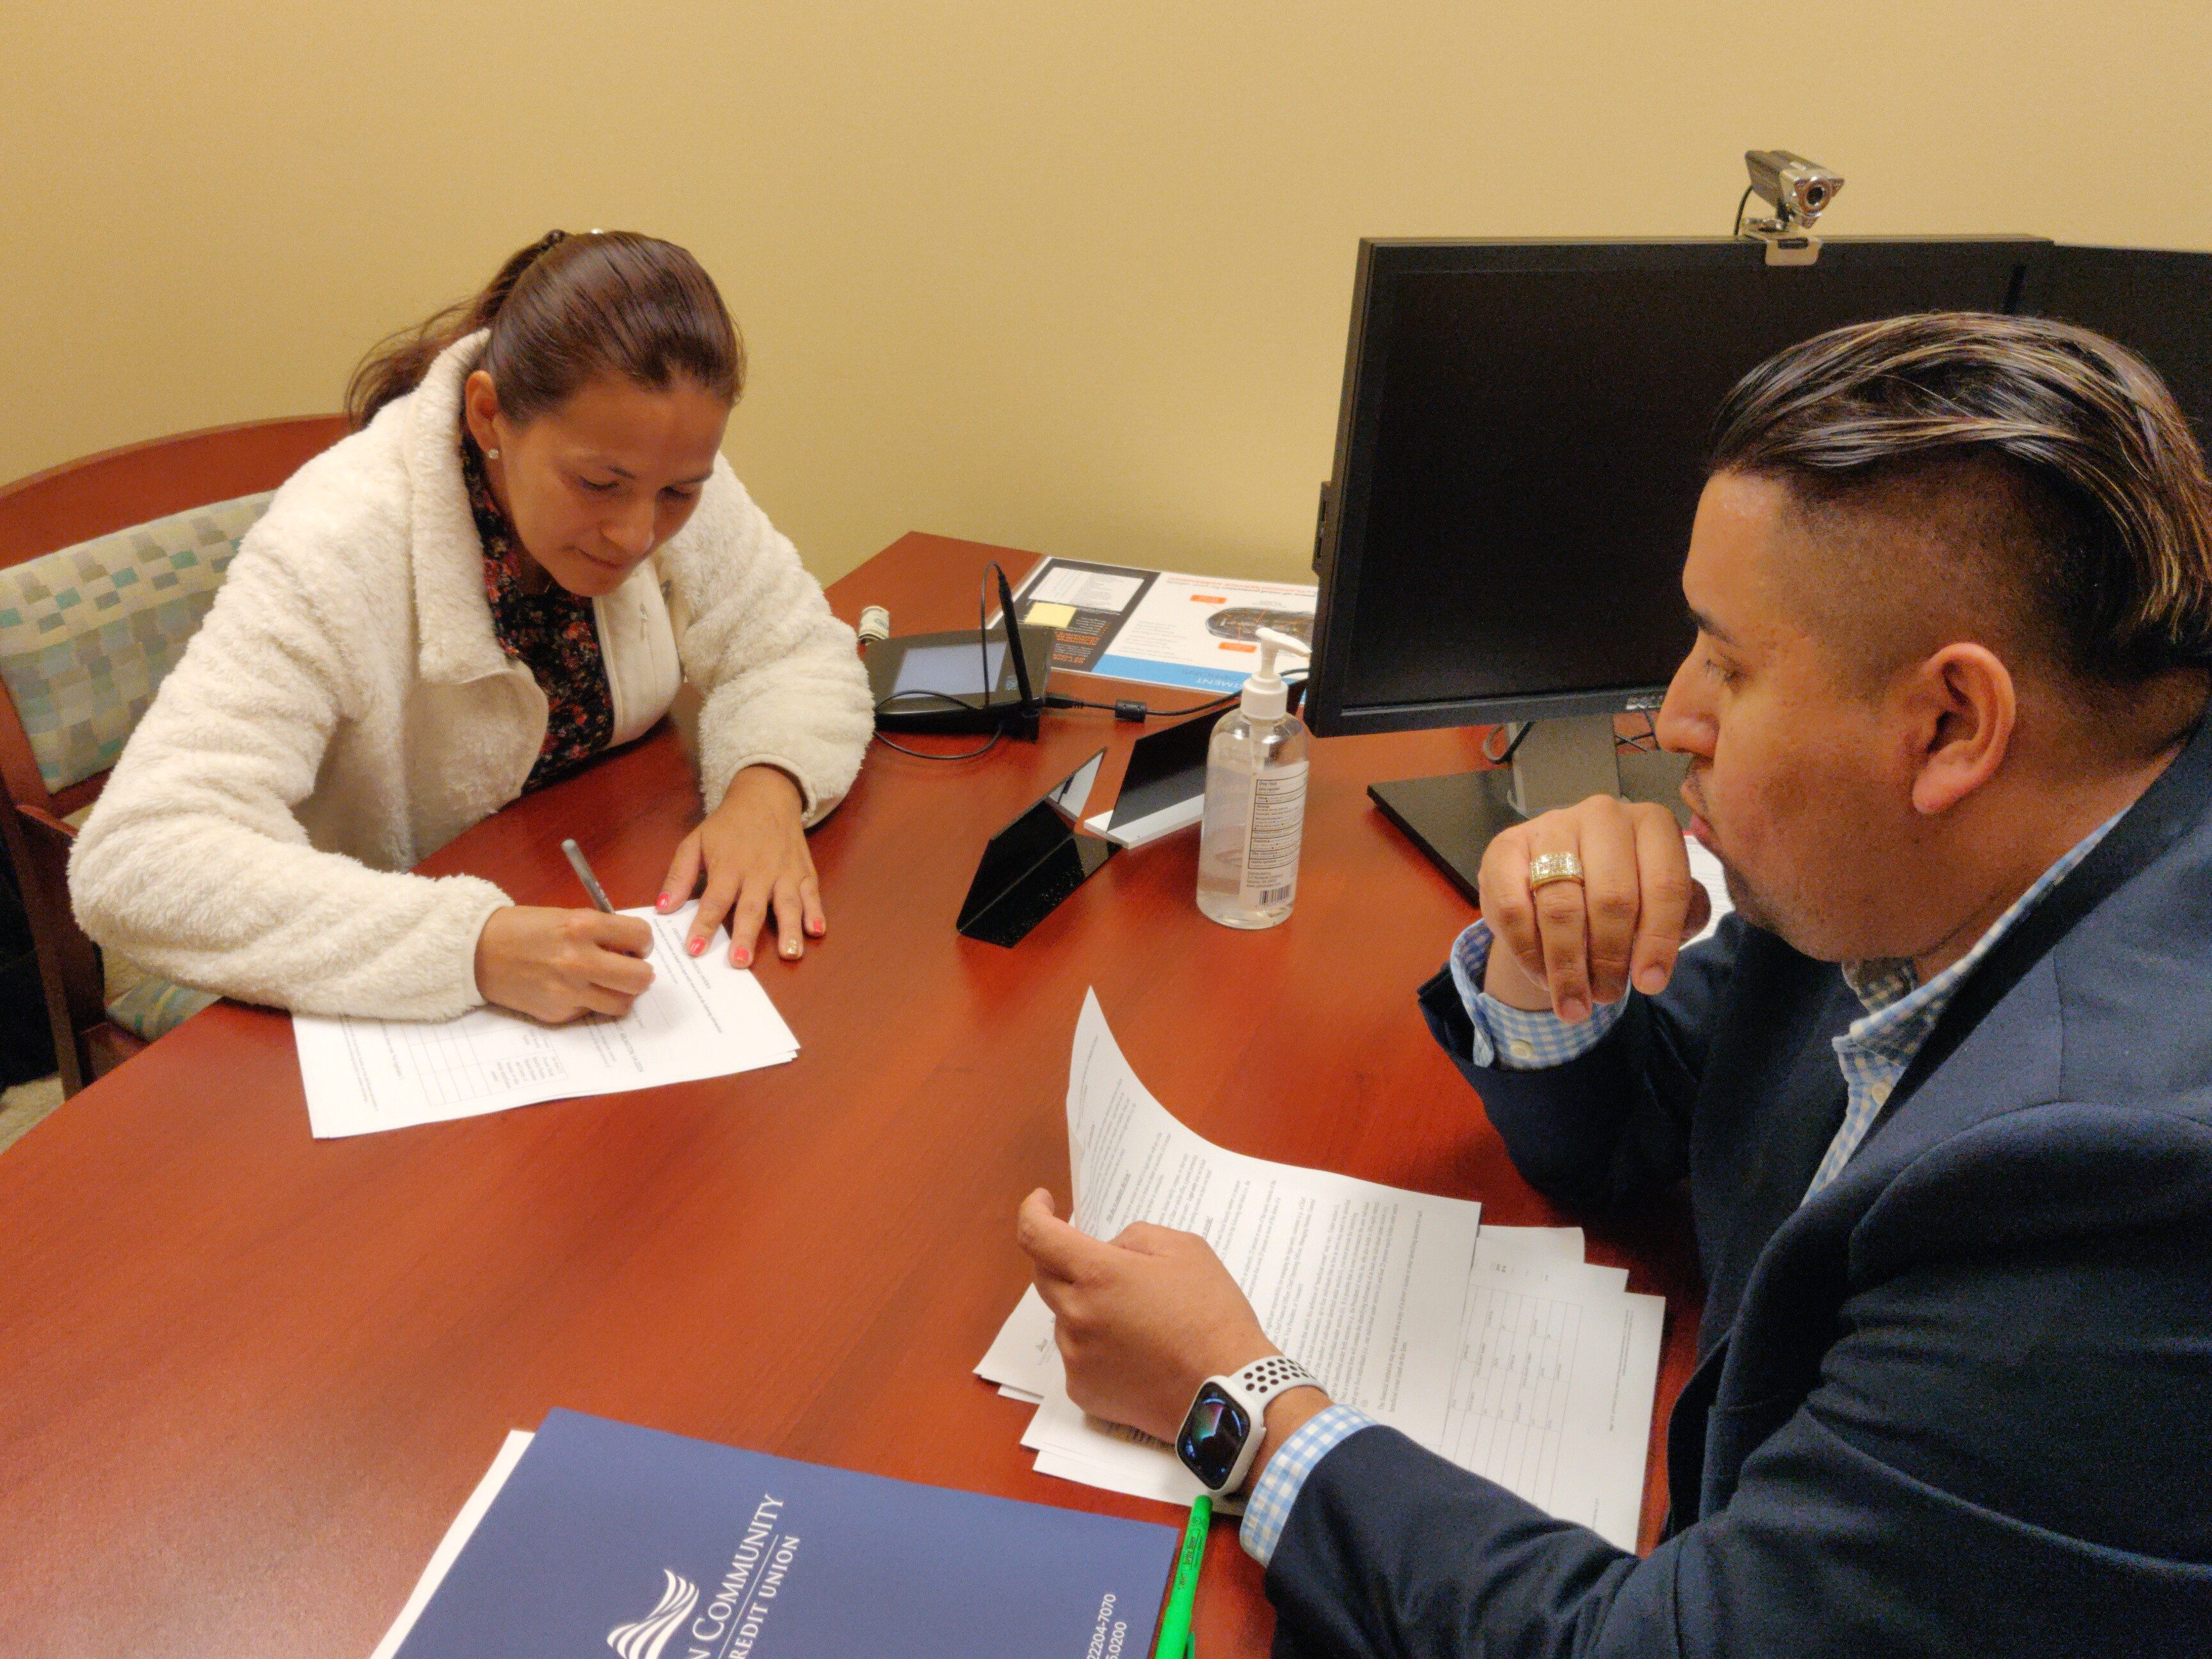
[(1515, 1039), (1873, 1054), (1900, 1012), (1267, 1510)]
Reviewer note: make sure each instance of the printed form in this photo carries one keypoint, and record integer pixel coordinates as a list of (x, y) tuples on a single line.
[(700, 1018), (1499, 1348)]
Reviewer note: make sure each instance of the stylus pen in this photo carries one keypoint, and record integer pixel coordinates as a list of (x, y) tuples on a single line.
[(584, 874), (1175, 1624)]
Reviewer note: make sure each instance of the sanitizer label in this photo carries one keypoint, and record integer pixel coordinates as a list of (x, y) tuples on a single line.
[(1271, 848)]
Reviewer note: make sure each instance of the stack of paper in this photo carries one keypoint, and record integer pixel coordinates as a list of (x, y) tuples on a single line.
[(1496, 1347), (701, 1018)]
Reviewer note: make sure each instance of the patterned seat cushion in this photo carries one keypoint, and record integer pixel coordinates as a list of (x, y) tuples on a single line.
[(154, 1007), (87, 633)]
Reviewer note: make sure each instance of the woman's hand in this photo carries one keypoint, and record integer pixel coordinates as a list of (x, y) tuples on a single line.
[(556, 964), (753, 850)]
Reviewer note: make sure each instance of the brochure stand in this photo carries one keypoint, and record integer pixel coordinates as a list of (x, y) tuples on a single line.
[(1164, 788), (1034, 863)]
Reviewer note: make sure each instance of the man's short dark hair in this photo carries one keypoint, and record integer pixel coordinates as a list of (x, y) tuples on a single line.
[(2100, 510)]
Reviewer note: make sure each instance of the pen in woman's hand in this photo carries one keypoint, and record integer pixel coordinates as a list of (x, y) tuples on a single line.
[(598, 895)]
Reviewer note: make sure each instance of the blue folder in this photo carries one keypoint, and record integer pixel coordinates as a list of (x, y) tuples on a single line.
[(608, 1538)]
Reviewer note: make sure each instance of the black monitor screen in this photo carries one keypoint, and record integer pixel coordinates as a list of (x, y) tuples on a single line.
[(2156, 302), (1520, 450)]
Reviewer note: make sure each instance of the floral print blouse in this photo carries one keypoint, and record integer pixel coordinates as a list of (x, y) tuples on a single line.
[(550, 630)]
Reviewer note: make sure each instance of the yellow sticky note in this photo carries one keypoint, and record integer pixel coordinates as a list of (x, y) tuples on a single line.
[(1049, 616)]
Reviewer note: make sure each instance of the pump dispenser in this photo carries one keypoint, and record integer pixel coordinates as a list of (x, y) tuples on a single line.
[(1256, 801)]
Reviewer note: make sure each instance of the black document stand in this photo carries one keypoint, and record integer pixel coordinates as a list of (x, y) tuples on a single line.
[(1166, 780), (1034, 863)]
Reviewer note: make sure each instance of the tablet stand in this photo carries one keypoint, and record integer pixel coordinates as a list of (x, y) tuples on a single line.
[(1034, 863)]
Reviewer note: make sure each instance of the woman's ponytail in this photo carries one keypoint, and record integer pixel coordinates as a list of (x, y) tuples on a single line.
[(566, 308)]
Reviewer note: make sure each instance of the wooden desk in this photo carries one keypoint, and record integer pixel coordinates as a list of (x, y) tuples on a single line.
[(246, 1377)]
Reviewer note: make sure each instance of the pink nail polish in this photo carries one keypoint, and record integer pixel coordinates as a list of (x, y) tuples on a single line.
[(663, 901), (744, 958), (816, 929), (697, 945)]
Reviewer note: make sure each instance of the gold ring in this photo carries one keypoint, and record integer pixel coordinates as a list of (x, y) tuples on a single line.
[(1547, 868)]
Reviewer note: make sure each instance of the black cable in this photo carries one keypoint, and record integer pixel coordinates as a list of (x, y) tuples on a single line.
[(983, 676), (942, 697), (1520, 737), (1142, 711), (1131, 709), (961, 754), (1645, 742), (1741, 202)]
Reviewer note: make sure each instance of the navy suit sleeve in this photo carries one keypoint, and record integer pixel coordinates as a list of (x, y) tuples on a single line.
[(1999, 1450), (1615, 1121)]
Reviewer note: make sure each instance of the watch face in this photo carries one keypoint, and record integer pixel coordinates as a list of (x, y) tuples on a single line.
[(1212, 1435)]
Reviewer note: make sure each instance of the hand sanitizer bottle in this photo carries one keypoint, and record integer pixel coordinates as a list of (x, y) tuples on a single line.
[(1256, 801)]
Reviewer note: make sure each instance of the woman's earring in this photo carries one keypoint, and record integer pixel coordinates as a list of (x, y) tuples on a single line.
[(492, 454)]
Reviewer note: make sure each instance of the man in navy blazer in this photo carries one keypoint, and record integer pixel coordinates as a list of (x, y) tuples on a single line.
[(1942, 1086)]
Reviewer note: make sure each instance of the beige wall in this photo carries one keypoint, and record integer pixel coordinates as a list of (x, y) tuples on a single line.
[(1073, 278)]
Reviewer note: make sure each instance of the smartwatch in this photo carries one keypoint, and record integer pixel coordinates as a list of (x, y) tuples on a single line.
[(1228, 1418)]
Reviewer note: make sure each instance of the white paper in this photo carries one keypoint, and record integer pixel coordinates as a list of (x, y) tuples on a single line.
[(1499, 1244), (1362, 1283), (457, 1535), (701, 1018), (1545, 1241), (1022, 1356), (1086, 590), (1075, 1446), (1365, 1283), (1552, 1396), (1498, 1347), (1024, 1363)]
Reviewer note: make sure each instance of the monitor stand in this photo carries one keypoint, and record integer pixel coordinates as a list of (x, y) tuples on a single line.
[(1557, 762)]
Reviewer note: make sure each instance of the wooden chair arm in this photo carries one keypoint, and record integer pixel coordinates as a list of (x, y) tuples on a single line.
[(45, 821)]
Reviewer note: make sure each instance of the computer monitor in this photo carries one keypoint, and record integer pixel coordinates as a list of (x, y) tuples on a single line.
[(2156, 302), (1519, 456)]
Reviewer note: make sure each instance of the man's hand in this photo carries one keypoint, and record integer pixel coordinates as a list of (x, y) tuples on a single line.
[(1140, 1322), (556, 964), (752, 848), (1569, 942)]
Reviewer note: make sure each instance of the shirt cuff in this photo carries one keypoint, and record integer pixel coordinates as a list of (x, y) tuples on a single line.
[(1267, 1510), (1518, 1039)]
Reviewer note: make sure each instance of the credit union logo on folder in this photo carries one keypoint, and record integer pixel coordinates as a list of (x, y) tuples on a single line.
[(649, 1635)]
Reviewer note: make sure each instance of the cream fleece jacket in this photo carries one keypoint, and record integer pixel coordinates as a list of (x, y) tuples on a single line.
[(346, 710)]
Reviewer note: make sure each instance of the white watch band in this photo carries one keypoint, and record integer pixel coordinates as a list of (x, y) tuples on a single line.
[(1263, 1379), (1251, 1388)]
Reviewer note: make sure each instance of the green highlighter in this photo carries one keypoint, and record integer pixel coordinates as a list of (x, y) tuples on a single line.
[(1174, 1641)]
